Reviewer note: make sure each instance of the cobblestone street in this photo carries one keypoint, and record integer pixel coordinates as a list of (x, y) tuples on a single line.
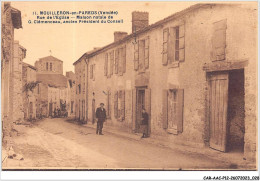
[(57, 143)]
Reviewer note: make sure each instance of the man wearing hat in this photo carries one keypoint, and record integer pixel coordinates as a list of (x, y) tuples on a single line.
[(101, 116)]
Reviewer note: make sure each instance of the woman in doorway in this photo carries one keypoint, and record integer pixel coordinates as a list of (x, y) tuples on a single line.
[(144, 124)]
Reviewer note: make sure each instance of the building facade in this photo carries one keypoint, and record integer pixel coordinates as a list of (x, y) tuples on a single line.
[(72, 83), (196, 77), (11, 55), (50, 65), (30, 88)]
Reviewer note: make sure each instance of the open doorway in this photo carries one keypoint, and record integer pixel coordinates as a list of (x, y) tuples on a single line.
[(236, 111), (139, 106), (226, 110)]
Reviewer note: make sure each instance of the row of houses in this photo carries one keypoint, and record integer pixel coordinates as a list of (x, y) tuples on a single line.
[(30, 92), (195, 72)]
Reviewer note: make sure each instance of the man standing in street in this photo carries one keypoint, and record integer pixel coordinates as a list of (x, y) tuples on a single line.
[(144, 124), (101, 116)]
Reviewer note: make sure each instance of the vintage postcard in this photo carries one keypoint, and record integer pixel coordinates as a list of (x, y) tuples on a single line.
[(129, 85)]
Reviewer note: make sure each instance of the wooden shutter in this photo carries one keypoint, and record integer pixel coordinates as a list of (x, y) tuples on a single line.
[(148, 107), (116, 104), (108, 104), (180, 105), (106, 65), (116, 60), (165, 109), (111, 62), (146, 53), (171, 45), (136, 55), (123, 104), (181, 43), (219, 40), (134, 109), (165, 46), (124, 59), (93, 71)]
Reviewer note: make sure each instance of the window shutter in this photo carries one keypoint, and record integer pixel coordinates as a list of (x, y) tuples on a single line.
[(123, 104), (106, 65), (93, 71), (165, 109), (124, 59), (171, 45), (136, 55), (180, 104), (111, 62), (146, 53), (134, 109), (165, 46), (181, 43), (107, 104), (116, 61), (116, 104), (219, 40)]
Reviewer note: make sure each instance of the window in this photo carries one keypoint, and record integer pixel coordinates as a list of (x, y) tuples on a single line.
[(173, 101), (119, 105), (79, 88), (173, 45), (46, 65), (92, 70), (120, 60), (50, 66), (219, 40), (111, 62), (141, 55), (106, 65)]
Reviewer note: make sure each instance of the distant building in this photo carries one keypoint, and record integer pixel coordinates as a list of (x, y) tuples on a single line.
[(30, 88), (56, 90), (72, 78), (49, 65), (195, 73)]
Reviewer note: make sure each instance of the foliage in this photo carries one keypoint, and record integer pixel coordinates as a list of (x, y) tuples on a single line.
[(30, 86)]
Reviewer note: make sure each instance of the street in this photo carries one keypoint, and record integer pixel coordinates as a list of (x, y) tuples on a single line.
[(57, 143)]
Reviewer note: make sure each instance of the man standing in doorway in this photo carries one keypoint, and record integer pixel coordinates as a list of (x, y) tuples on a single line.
[(101, 116)]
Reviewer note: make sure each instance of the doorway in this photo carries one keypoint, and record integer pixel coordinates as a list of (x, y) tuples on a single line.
[(93, 110), (50, 109), (139, 106), (226, 110)]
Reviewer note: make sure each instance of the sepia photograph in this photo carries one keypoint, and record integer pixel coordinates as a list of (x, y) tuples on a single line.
[(130, 86)]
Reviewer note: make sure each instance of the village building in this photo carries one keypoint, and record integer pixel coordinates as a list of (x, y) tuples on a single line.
[(11, 56), (72, 82), (53, 88), (195, 72), (29, 91)]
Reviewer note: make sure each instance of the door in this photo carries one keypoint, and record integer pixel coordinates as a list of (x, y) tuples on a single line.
[(172, 111), (50, 109), (218, 102), (140, 104), (93, 111), (31, 110)]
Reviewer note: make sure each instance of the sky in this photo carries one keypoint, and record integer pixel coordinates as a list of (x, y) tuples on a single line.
[(68, 42)]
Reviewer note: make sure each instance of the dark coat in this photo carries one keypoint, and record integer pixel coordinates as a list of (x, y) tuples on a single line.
[(101, 115), (145, 117)]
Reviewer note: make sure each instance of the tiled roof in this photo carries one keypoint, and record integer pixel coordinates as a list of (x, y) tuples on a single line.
[(50, 58), (53, 80), (148, 28), (28, 65)]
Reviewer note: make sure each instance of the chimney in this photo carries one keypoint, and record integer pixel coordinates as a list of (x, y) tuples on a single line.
[(140, 20), (119, 35)]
